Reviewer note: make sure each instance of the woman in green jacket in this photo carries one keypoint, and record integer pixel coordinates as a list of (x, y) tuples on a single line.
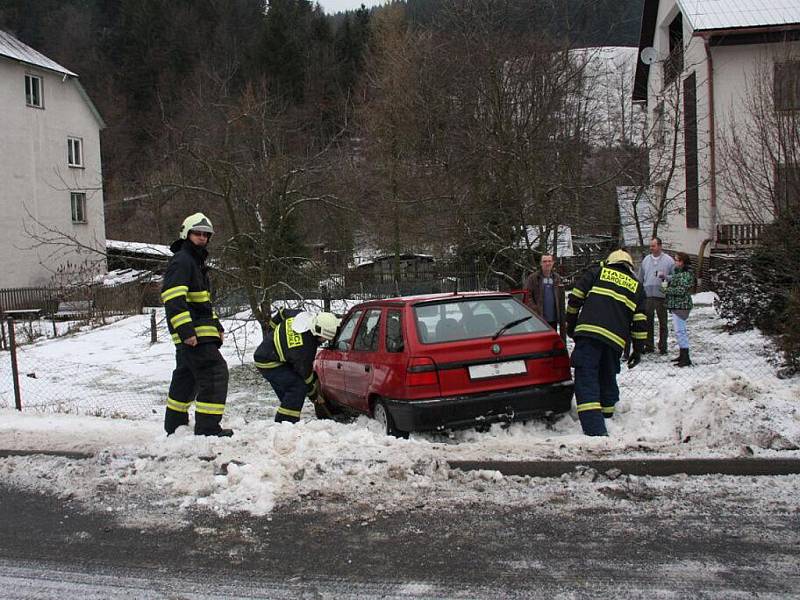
[(678, 292)]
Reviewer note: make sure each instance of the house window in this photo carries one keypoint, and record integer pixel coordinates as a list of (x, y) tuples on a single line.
[(78, 202), (787, 188), (33, 91), (786, 85), (75, 152), (673, 66)]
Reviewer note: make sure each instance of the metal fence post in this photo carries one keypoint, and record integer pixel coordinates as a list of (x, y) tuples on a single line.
[(153, 331), (12, 346), (326, 298)]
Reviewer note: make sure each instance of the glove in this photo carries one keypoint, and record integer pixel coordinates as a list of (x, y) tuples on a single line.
[(634, 359), (321, 408), (570, 328)]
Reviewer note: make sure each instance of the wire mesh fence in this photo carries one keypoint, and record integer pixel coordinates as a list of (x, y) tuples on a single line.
[(71, 387), (711, 348), (59, 381), (54, 380)]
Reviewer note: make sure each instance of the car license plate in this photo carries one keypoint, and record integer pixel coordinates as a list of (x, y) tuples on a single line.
[(511, 367)]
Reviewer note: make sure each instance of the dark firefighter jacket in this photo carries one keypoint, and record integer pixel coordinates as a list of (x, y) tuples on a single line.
[(186, 295), (282, 345), (607, 303)]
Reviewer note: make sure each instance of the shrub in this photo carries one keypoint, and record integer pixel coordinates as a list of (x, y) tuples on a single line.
[(762, 289)]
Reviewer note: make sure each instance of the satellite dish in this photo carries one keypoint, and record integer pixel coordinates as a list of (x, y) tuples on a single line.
[(648, 55), (302, 322)]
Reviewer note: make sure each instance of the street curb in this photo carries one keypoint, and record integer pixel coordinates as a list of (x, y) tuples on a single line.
[(63, 454), (654, 467)]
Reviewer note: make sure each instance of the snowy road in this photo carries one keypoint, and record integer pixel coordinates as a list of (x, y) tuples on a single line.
[(51, 549)]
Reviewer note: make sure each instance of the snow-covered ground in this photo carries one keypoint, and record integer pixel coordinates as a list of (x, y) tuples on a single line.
[(729, 404)]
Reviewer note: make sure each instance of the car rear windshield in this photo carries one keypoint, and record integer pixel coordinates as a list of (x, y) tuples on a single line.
[(471, 318)]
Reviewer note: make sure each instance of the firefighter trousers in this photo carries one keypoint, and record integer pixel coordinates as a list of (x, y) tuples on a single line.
[(200, 376), (291, 391), (596, 392)]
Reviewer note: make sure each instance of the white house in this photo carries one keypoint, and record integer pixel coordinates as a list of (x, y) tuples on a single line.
[(701, 61), (50, 170)]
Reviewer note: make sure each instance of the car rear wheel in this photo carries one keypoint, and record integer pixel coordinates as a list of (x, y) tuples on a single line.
[(382, 416)]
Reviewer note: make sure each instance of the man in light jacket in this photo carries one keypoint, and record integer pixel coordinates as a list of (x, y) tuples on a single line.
[(656, 268)]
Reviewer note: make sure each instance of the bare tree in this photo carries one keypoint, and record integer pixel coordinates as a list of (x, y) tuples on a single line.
[(243, 159), (762, 147)]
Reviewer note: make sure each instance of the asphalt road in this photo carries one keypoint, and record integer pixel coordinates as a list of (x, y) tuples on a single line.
[(51, 549)]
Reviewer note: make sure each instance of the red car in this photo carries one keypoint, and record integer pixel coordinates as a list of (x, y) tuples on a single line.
[(446, 361)]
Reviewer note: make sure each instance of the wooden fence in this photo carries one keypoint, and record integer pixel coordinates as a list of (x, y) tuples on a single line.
[(123, 299)]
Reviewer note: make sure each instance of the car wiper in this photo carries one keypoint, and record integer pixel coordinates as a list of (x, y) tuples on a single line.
[(509, 326)]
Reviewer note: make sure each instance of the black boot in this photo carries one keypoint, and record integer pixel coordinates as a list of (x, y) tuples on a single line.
[(685, 360), (678, 358), (216, 432)]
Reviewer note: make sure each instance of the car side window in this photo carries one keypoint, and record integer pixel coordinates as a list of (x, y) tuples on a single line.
[(346, 332), (366, 339), (394, 331)]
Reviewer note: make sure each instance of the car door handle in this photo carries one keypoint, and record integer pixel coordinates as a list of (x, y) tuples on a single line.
[(338, 365), (367, 368)]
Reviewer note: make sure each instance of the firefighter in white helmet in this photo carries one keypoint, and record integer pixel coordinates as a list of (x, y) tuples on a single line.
[(201, 373), (286, 358)]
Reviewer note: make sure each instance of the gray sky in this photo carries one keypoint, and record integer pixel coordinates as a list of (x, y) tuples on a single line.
[(333, 6)]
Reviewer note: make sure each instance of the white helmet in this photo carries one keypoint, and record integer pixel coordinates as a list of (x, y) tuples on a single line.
[(324, 325), (196, 222)]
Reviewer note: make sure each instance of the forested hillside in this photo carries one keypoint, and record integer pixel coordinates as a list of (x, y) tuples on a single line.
[(435, 125)]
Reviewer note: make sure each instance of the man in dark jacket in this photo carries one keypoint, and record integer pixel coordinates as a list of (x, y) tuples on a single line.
[(201, 373), (606, 307), (545, 292), (286, 358)]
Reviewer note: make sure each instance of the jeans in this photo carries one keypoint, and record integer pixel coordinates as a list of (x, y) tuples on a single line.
[(596, 366), (656, 307), (680, 331)]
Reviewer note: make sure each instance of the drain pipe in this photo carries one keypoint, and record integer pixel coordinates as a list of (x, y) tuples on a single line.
[(712, 131)]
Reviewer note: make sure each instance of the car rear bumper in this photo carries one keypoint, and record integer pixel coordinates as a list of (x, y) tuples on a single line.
[(468, 411)]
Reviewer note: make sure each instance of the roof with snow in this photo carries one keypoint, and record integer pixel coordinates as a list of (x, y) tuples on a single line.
[(718, 18), (705, 15), (140, 248), (534, 232), (11, 47), (635, 204)]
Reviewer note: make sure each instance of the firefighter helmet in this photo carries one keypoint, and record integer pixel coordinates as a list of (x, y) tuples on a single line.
[(324, 325), (620, 256), (196, 222)]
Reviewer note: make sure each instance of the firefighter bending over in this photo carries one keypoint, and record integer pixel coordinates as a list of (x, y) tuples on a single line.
[(201, 373), (286, 358), (605, 308)]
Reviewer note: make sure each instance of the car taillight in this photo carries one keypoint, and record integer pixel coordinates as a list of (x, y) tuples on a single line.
[(560, 355), (421, 371)]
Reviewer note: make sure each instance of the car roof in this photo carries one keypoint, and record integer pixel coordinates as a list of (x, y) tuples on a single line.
[(425, 298)]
